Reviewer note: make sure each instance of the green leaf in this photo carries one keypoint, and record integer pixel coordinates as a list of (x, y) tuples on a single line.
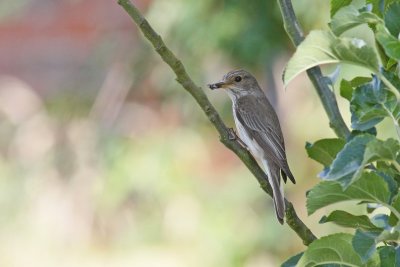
[(391, 235), (393, 185), (371, 207), (379, 6), (331, 249), (393, 78), (349, 17), (345, 219), (376, 7), (346, 87), (381, 221), (338, 4), (391, 63), (378, 150), (313, 51), (386, 168), (370, 105), (364, 243), (391, 18), (359, 80), (370, 188), (389, 256), (349, 161), (390, 44), (292, 261), (355, 51), (322, 47), (346, 90), (324, 151), (396, 205)]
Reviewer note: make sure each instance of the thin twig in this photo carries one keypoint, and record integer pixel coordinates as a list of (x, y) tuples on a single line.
[(327, 97), (187, 83)]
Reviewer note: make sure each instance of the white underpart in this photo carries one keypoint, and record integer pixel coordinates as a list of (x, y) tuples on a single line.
[(257, 151)]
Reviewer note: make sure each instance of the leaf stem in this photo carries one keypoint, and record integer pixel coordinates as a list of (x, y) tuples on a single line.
[(198, 94), (395, 122), (397, 166), (389, 85), (393, 210)]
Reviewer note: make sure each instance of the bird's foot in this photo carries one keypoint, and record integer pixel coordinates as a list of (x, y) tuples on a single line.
[(233, 136)]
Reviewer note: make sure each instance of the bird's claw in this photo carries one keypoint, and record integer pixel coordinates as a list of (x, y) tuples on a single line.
[(233, 136)]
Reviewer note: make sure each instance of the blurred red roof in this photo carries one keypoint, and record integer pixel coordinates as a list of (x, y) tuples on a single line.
[(46, 42)]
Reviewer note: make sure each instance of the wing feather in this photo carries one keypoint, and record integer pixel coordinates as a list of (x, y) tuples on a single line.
[(265, 131), (259, 125)]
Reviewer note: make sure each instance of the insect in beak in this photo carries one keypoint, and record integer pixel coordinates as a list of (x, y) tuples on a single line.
[(216, 85)]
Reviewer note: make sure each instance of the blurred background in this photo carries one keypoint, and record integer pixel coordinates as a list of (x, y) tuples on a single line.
[(106, 161)]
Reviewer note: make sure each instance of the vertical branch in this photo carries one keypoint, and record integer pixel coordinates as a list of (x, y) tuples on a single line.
[(187, 83), (327, 97)]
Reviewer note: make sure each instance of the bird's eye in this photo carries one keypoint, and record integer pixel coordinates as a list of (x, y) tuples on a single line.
[(238, 79)]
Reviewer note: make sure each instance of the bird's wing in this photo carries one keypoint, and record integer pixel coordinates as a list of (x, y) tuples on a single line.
[(265, 131)]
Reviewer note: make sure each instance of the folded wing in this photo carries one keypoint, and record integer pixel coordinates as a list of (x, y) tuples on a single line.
[(264, 127)]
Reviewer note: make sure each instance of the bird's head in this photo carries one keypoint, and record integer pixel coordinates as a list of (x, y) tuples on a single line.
[(237, 82)]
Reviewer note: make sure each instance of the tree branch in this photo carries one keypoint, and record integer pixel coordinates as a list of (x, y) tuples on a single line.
[(327, 97), (187, 83)]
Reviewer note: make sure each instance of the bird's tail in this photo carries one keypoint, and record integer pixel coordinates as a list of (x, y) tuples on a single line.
[(273, 172)]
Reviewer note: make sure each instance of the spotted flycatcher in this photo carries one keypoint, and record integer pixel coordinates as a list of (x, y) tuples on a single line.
[(258, 127)]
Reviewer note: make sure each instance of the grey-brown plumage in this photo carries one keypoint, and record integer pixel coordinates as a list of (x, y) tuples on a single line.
[(258, 127)]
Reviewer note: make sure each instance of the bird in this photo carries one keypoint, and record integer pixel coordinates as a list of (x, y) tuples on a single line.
[(258, 127)]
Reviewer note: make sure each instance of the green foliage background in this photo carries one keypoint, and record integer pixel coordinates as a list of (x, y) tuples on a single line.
[(361, 168)]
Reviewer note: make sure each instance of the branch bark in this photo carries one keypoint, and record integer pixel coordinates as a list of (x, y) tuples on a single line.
[(187, 83), (327, 97)]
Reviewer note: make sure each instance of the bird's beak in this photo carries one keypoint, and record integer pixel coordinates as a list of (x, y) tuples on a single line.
[(216, 85)]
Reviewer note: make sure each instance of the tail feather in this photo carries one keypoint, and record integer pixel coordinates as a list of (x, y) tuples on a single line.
[(285, 172), (290, 175), (273, 172), (284, 176)]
